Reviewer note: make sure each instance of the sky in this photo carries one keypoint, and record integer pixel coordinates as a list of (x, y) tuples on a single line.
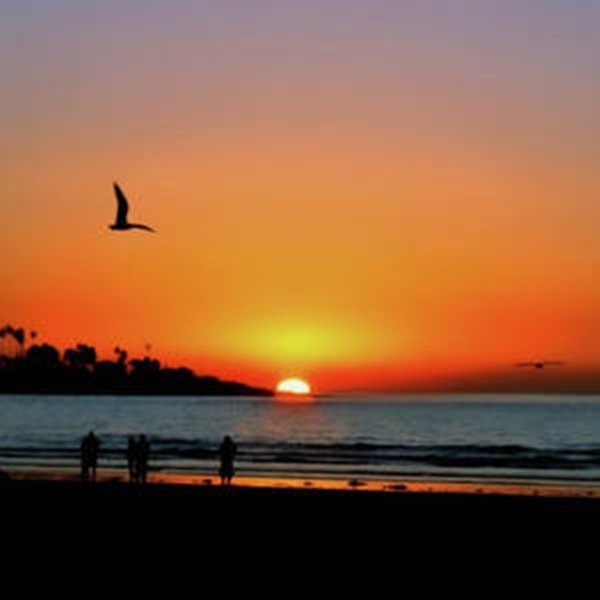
[(369, 194)]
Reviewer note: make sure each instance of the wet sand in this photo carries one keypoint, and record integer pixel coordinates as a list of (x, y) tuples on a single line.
[(281, 541), (430, 486)]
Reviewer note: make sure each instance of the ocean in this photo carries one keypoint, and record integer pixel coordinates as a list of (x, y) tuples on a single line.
[(461, 438)]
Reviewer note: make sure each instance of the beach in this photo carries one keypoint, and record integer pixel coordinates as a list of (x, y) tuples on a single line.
[(161, 536), (381, 495)]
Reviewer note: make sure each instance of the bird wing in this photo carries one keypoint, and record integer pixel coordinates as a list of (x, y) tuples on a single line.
[(554, 363), (525, 364), (122, 206), (142, 226)]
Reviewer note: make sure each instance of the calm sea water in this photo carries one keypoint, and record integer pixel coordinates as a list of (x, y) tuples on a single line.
[(488, 437)]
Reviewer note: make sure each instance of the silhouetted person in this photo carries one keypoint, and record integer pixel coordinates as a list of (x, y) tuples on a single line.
[(142, 455), (90, 446), (132, 458), (84, 458), (227, 452), (94, 449)]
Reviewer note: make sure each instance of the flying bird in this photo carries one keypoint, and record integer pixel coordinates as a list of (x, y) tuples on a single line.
[(542, 364), (121, 223)]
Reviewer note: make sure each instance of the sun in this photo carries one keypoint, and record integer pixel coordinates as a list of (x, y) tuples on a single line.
[(294, 386)]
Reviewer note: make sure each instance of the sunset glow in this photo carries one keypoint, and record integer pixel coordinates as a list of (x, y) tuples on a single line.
[(379, 195)]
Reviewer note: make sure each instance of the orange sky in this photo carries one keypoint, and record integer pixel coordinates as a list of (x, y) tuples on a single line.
[(366, 196)]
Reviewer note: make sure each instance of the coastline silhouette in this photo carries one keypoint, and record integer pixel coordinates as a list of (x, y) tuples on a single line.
[(40, 368), (121, 223)]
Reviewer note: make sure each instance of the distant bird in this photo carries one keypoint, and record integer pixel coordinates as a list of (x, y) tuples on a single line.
[(542, 364), (121, 223)]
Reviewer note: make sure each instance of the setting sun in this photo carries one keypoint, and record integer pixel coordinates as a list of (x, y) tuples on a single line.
[(293, 386)]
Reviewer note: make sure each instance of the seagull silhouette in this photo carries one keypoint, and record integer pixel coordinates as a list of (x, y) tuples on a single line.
[(121, 223), (541, 364)]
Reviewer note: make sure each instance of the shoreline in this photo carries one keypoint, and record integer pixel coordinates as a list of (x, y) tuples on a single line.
[(360, 485)]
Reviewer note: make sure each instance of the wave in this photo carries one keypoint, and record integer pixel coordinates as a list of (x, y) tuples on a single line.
[(343, 456)]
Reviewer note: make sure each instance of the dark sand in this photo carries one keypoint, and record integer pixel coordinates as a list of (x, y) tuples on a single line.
[(290, 542)]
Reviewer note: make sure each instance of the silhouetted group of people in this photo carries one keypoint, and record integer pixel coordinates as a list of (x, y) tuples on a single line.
[(138, 454)]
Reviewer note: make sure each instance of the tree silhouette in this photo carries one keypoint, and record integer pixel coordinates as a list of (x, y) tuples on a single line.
[(17, 334), (43, 358), (41, 369), (82, 357), (144, 369), (121, 355)]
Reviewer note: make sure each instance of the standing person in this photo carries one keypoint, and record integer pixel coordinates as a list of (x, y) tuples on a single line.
[(93, 450), (84, 457), (227, 452), (132, 458), (89, 456), (143, 453)]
